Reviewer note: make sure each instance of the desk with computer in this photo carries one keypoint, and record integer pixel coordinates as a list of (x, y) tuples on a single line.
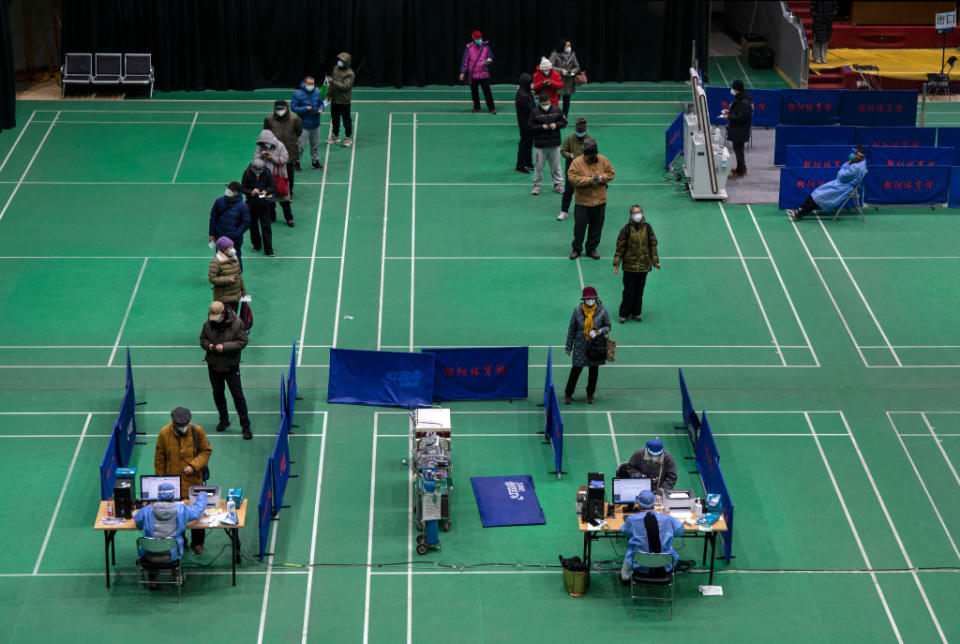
[(599, 519), (116, 514)]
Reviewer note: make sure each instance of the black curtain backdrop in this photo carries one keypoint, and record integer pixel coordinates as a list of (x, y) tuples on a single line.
[(8, 82), (246, 44)]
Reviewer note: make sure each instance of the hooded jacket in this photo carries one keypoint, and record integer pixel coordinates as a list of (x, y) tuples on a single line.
[(165, 519), (230, 334), (301, 100), (226, 279), (341, 80), (474, 60), (287, 129), (229, 217), (524, 101), (269, 144), (252, 181)]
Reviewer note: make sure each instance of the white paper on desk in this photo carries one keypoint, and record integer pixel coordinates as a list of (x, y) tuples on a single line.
[(708, 591), (603, 525), (685, 517)]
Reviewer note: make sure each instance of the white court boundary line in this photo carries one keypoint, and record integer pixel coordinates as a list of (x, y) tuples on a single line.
[(16, 142), (313, 539), (373, 483), (63, 492), (613, 437), (26, 171), (383, 243), (313, 254), (923, 483), (853, 529), (893, 528), (939, 445), (275, 525), (753, 286), (346, 228), (126, 315), (186, 143), (413, 235)]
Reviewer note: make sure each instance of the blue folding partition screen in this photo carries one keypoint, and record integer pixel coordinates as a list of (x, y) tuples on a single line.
[(879, 107), (481, 373), (817, 156), (766, 105), (903, 137), (949, 137), (690, 421), (708, 465), (553, 429), (108, 467), (918, 156), (907, 185), (384, 378), (265, 509), (811, 135), (796, 184), (674, 140), (810, 106)]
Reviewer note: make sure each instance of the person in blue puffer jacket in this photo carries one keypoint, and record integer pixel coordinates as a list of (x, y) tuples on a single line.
[(230, 217), (167, 518), (307, 103)]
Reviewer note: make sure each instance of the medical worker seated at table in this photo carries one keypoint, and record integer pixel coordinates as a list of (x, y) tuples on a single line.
[(167, 518), (651, 462), (830, 195), (649, 532)]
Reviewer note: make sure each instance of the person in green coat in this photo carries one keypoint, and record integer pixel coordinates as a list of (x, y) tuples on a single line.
[(224, 275), (636, 253)]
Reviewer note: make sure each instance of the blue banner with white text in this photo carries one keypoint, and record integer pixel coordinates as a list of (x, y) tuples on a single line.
[(879, 107), (674, 140), (482, 373), (383, 378), (907, 185)]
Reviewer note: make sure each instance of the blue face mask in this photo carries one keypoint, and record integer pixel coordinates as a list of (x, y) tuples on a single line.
[(478, 41), (580, 134), (852, 156)]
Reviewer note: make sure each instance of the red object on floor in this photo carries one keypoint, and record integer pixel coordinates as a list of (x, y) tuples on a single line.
[(847, 36)]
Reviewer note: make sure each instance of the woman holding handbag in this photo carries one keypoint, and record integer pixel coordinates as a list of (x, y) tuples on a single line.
[(564, 60), (274, 154), (473, 70), (587, 342)]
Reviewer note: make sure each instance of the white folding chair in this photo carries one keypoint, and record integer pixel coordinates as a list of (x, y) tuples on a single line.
[(856, 197), (77, 69)]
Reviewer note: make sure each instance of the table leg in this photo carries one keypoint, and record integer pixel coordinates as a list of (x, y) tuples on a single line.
[(108, 536), (233, 559), (713, 553), (705, 540), (586, 548), (113, 547)]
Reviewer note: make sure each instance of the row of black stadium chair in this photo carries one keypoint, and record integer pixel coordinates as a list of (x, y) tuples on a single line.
[(110, 69)]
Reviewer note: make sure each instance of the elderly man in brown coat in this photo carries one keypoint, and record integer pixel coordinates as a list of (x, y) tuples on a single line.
[(589, 173), (223, 338), (183, 450)]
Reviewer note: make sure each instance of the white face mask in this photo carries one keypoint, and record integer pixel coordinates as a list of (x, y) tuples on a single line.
[(181, 429), (280, 112), (309, 88), (636, 217), (545, 107), (733, 92), (567, 50), (340, 63), (590, 301), (228, 192), (232, 252)]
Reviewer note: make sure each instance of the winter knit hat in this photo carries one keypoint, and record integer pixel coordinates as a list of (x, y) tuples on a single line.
[(476, 35), (545, 65), (180, 416), (223, 243), (590, 146), (581, 125), (589, 292)]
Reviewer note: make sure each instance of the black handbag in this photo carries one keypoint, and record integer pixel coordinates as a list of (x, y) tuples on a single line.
[(205, 472), (597, 348)]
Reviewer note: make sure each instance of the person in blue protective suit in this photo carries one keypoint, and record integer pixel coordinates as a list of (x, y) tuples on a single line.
[(167, 518), (830, 195), (649, 532)]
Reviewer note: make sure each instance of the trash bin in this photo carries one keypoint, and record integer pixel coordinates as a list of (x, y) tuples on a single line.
[(575, 578)]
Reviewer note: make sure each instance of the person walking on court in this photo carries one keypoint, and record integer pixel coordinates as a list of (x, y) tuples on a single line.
[(230, 217), (224, 275), (272, 152), (548, 80), (589, 173), (587, 343), (183, 450), (572, 148), (546, 121), (524, 102), (739, 121), (287, 128), (823, 13), (223, 338), (564, 61), (473, 69), (636, 253), (258, 186), (307, 103), (341, 93)]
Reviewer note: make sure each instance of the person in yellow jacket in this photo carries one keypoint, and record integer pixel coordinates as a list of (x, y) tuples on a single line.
[(589, 173), (183, 450)]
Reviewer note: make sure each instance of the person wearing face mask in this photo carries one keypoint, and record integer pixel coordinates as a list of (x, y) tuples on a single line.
[(546, 121), (341, 92), (589, 325), (564, 60), (525, 103), (286, 126), (589, 173), (230, 217), (547, 80), (651, 462), (272, 152), (223, 338), (183, 450), (739, 121), (572, 148), (832, 194), (258, 186), (224, 275), (477, 56), (636, 253), (307, 103)]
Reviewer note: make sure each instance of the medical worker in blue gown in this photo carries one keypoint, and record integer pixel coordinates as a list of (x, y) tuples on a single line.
[(830, 195), (649, 532)]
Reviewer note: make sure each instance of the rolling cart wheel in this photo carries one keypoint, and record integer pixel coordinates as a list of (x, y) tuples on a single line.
[(419, 525), (421, 539), (422, 549), (446, 525)]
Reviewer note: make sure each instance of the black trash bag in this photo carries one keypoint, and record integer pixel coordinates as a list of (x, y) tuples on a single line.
[(574, 564)]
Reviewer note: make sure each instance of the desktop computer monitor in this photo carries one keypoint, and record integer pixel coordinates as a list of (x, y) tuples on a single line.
[(626, 490), (150, 483)]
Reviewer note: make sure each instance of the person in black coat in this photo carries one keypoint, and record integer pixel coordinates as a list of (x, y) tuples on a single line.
[(739, 121), (524, 103), (258, 186), (823, 12)]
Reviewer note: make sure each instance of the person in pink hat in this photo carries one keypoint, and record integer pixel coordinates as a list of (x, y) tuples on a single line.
[(587, 343), (473, 70)]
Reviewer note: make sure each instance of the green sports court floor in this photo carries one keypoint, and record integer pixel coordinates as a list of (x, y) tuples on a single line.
[(826, 354)]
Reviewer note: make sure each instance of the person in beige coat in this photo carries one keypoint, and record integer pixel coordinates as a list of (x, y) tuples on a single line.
[(589, 173), (225, 276)]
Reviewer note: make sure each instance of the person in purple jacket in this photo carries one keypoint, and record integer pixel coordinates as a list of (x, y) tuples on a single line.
[(473, 69)]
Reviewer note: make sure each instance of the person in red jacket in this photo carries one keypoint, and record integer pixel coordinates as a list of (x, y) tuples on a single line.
[(547, 80)]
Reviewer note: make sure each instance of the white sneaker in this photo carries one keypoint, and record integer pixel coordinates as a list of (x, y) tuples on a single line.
[(347, 142), (562, 215), (535, 191), (558, 189), (333, 139)]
